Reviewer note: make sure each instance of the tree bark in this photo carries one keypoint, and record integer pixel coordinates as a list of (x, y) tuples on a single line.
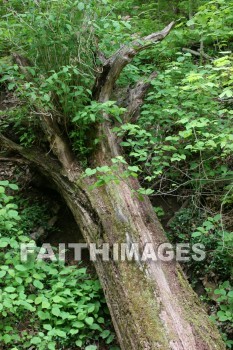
[(151, 303)]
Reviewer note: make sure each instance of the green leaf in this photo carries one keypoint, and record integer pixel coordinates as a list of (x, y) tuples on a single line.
[(56, 311), (105, 334), (103, 169), (11, 86), (48, 327), (91, 347), (13, 186), (196, 234), (13, 213), (89, 320), (79, 343), (52, 345), (110, 339), (145, 191), (91, 308), (38, 284), (57, 299), (133, 168), (6, 338), (222, 316), (45, 304), (21, 268), (9, 289), (78, 324), (46, 97), (3, 244), (190, 23), (90, 172), (43, 315), (38, 300), (81, 316), (100, 320), (35, 340), (60, 333), (4, 183), (2, 273)]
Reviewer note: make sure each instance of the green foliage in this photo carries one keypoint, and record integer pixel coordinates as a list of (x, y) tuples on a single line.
[(115, 172), (193, 135), (159, 212), (47, 31), (57, 38), (47, 305), (94, 112), (224, 314), (33, 214), (189, 226), (225, 300), (213, 22)]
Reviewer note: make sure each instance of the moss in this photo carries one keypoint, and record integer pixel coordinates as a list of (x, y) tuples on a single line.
[(144, 306)]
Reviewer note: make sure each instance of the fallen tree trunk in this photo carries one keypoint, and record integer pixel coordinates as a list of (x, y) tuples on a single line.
[(151, 303)]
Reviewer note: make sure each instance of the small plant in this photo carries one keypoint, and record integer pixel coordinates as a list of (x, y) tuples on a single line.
[(45, 305), (159, 211), (224, 316)]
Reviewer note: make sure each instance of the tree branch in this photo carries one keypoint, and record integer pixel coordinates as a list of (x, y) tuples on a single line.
[(59, 145), (108, 147), (196, 53), (7, 143), (13, 160), (45, 163), (115, 64)]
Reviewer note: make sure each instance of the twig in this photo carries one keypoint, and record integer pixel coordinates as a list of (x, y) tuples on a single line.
[(196, 53)]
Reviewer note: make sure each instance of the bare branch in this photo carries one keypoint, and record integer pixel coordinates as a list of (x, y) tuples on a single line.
[(13, 160), (10, 145), (196, 53), (59, 145), (43, 162), (115, 64)]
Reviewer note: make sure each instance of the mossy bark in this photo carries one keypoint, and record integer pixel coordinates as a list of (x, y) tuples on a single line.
[(151, 303)]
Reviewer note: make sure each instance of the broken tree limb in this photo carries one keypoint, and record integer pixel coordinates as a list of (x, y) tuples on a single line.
[(196, 53), (115, 64), (58, 142)]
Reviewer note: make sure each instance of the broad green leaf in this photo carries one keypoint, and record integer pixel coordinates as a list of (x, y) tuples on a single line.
[(9, 289), (91, 347), (56, 311), (89, 320), (38, 284), (90, 172)]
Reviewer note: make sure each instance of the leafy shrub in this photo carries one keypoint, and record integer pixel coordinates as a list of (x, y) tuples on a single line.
[(45, 305), (190, 226)]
